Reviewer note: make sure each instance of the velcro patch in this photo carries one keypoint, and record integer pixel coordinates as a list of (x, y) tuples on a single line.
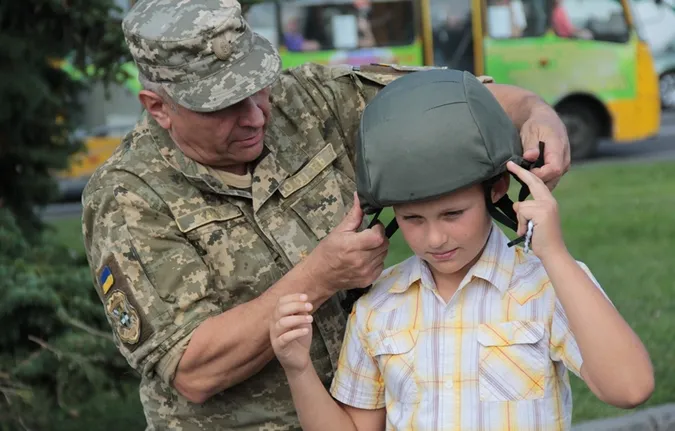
[(106, 279)]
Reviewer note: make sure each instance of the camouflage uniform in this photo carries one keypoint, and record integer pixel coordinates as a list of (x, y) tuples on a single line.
[(171, 245)]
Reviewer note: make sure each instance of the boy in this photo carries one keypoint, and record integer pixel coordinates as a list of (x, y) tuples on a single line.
[(468, 333)]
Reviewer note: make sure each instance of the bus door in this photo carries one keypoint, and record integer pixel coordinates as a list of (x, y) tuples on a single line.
[(578, 55), (452, 34), (559, 47)]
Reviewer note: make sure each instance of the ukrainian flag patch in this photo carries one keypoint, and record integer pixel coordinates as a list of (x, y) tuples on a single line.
[(106, 279)]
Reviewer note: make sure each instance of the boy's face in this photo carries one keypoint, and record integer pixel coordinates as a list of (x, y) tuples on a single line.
[(449, 232)]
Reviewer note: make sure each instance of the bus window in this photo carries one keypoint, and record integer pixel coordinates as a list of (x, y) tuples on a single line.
[(452, 34), (262, 17), (338, 24), (600, 20), (508, 19)]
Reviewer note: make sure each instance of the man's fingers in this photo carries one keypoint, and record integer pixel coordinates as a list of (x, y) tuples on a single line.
[(370, 239), (353, 219)]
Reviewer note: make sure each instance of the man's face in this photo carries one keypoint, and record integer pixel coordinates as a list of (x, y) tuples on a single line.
[(449, 233), (227, 139)]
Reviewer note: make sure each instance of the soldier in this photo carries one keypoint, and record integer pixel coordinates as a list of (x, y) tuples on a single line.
[(234, 189)]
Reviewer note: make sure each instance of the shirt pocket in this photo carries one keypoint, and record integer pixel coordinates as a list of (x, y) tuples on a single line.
[(512, 361), (395, 353)]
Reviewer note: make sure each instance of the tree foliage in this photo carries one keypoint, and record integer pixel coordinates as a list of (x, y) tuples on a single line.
[(59, 367), (39, 108)]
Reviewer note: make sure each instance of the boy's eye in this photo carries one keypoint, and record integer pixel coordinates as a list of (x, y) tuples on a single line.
[(411, 217), (454, 213)]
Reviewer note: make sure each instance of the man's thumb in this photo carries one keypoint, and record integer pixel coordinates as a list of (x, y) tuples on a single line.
[(354, 217)]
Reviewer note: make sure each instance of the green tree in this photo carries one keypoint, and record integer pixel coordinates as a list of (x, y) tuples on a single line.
[(59, 367), (39, 107)]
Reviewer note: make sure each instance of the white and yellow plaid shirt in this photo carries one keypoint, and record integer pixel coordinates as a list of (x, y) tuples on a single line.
[(494, 358)]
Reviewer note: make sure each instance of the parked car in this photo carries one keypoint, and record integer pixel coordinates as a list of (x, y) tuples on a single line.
[(657, 27)]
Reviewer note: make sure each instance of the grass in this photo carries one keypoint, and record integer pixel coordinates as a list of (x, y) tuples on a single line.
[(68, 231), (619, 220)]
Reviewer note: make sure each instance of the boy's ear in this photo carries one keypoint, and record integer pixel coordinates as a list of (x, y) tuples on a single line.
[(500, 187)]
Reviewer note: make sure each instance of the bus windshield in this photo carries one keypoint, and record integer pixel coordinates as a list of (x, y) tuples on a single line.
[(302, 29)]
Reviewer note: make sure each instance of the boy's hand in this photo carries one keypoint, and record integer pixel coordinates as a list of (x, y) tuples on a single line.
[(291, 332), (547, 237)]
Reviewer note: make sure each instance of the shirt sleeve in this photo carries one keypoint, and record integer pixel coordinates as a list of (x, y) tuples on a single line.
[(357, 382), (563, 345), (155, 288)]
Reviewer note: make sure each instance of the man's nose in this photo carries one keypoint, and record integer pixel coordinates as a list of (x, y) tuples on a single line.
[(251, 115)]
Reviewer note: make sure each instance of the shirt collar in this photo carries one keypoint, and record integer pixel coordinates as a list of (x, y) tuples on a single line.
[(495, 266)]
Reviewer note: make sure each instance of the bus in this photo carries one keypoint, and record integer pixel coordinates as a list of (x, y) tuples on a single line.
[(587, 58)]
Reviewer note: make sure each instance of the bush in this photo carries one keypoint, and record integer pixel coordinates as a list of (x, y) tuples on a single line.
[(59, 367)]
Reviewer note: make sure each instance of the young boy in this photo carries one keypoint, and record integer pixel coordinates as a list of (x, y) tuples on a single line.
[(469, 333)]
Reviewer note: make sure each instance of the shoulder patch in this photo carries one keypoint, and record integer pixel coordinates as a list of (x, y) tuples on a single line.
[(123, 310)]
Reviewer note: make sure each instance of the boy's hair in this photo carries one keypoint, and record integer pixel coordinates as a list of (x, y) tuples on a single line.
[(430, 133)]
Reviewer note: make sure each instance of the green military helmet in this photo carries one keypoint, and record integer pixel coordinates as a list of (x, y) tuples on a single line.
[(430, 133)]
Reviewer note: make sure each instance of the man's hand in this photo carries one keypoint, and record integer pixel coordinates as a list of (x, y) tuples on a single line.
[(546, 126), (537, 121), (346, 258)]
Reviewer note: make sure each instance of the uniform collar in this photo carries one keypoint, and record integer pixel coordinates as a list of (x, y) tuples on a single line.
[(277, 161)]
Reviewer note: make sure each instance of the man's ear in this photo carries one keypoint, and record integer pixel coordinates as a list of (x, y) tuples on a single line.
[(501, 187), (156, 107)]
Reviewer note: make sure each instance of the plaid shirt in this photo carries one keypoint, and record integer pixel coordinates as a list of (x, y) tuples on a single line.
[(495, 357)]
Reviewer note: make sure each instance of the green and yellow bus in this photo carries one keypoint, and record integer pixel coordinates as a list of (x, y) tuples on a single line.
[(585, 57)]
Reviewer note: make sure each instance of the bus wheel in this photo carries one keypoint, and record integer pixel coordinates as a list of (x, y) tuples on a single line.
[(582, 130)]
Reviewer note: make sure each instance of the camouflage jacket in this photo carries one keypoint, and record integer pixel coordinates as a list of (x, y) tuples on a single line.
[(170, 245)]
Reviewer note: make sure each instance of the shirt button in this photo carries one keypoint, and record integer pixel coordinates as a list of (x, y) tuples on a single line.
[(448, 384)]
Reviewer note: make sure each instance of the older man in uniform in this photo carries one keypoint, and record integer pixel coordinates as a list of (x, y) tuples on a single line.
[(237, 187)]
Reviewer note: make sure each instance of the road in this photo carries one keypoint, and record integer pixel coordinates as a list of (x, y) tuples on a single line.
[(660, 147)]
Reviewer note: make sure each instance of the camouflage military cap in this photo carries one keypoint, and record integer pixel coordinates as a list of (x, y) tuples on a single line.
[(430, 133), (202, 52)]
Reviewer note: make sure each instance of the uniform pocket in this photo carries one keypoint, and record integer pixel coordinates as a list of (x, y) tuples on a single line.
[(395, 352), (512, 361), (240, 260)]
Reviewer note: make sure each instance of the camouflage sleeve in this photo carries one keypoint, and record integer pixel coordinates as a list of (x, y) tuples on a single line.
[(346, 90), (153, 284)]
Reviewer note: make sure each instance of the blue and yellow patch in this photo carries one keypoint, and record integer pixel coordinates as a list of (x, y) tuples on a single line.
[(106, 279)]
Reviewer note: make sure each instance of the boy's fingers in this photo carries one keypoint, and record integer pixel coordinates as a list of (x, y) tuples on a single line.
[(290, 336), (538, 189), (292, 298), (293, 308), (293, 321)]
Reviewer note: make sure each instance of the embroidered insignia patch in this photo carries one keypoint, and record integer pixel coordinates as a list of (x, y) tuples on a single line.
[(125, 318)]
